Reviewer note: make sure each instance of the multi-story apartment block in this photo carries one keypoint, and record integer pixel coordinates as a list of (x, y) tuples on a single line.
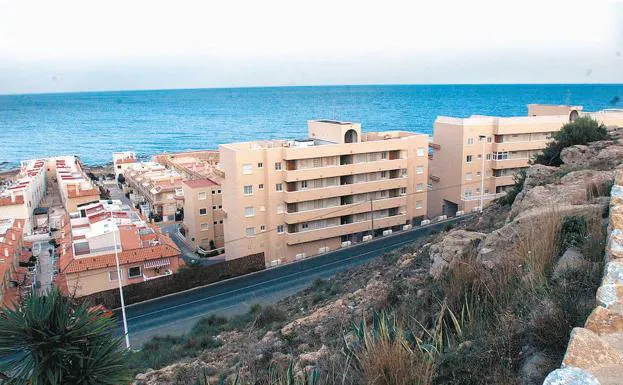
[(292, 199), (477, 157), (123, 161), (203, 214), (159, 187), (11, 250), (20, 197), (90, 239), (75, 187)]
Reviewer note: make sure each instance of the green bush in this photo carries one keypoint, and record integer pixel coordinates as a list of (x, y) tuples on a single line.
[(574, 231), (511, 194), (582, 131)]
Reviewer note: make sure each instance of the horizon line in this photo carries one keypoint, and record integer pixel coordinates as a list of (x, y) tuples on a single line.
[(301, 86)]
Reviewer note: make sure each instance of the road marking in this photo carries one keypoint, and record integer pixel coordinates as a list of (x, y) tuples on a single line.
[(268, 281)]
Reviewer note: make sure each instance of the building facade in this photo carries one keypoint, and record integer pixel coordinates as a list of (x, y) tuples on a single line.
[(293, 199), (477, 157), (12, 276), (74, 185), (20, 197), (202, 226), (123, 161), (90, 238)]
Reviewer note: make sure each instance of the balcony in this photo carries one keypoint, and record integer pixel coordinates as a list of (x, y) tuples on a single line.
[(509, 163), (346, 169), (505, 180), (486, 197), (148, 275), (348, 209), (519, 145), (350, 228), (347, 189)]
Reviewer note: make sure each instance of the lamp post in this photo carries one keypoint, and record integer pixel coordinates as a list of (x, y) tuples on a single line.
[(482, 172), (119, 277)]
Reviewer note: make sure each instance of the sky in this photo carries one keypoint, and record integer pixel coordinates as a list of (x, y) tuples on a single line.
[(86, 45)]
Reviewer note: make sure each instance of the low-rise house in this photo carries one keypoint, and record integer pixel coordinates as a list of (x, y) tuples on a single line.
[(123, 161), (202, 226), (12, 276), (100, 232), (74, 185), (20, 197)]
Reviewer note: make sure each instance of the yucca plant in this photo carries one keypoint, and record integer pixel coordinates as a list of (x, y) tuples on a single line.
[(51, 340)]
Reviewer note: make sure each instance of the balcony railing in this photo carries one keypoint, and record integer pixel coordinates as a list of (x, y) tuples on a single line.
[(486, 197)]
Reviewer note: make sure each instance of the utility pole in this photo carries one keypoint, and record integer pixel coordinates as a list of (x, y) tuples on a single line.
[(372, 215), (119, 277)]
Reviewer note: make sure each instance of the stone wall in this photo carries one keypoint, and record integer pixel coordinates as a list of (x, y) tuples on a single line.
[(595, 352), (185, 279)]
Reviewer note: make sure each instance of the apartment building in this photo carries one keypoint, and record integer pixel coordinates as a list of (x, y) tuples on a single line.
[(123, 161), (20, 197), (202, 226), (477, 157), (90, 237), (293, 199), (12, 276), (160, 188), (74, 185)]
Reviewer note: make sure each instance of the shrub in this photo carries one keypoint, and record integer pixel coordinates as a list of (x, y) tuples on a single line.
[(574, 231), (511, 194), (582, 131)]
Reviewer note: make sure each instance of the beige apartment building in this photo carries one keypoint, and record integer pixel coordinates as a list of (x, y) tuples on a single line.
[(293, 199), (202, 226), (477, 157)]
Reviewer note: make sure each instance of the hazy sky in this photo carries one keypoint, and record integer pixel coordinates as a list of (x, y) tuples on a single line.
[(80, 45)]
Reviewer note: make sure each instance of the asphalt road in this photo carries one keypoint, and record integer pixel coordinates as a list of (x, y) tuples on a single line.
[(177, 313)]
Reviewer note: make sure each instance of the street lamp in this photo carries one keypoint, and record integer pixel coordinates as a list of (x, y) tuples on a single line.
[(119, 277), (482, 172)]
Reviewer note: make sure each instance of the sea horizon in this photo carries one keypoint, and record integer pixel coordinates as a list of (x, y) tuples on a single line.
[(93, 124)]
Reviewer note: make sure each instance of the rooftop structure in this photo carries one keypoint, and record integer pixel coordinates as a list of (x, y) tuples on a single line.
[(292, 199), (90, 238), (20, 196), (123, 161)]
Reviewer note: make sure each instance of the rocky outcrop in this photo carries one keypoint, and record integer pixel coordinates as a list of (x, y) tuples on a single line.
[(451, 249), (595, 352)]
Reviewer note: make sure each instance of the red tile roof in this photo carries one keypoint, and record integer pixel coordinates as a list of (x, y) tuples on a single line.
[(198, 183), (6, 201)]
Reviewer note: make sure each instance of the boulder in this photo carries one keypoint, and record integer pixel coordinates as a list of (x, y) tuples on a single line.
[(572, 259), (610, 295), (314, 357), (586, 350), (534, 369), (570, 376), (451, 249)]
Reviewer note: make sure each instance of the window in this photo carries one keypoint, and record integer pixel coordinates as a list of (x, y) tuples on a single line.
[(248, 190), (303, 184), (263, 228), (249, 211), (278, 166), (214, 207), (403, 191), (489, 139), (219, 191), (201, 196), (215, 222), (260, 186), (468, 192), (478, 173), (203, 226), (134, 272), (220, 206), (304, 226), (260, 165), (203, 211), (279, 209), (280, 229), (249, 231), (420, 151), (384, 155), (247, 168), (488, 157), (468, 176), (419, 187), (418, 204), (112, 276), (279, 187), (384, 174), (213, 192), (500, 155), (470, 140), (419, 170), (468, 159)]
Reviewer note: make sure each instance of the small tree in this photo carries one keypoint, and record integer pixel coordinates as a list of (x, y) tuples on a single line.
[(51, 340), (582, 131)]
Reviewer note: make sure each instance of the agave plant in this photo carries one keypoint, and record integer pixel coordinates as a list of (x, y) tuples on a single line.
[(51, 340)]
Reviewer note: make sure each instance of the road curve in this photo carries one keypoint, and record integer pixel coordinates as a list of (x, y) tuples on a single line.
[(176, 313)]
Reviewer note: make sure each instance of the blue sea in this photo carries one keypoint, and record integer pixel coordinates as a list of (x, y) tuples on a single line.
[(94, 124)]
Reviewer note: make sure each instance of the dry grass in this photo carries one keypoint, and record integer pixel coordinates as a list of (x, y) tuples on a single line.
[(390, 362)]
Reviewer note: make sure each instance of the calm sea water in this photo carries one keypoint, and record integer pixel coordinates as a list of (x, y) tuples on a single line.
[(93, 125)]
